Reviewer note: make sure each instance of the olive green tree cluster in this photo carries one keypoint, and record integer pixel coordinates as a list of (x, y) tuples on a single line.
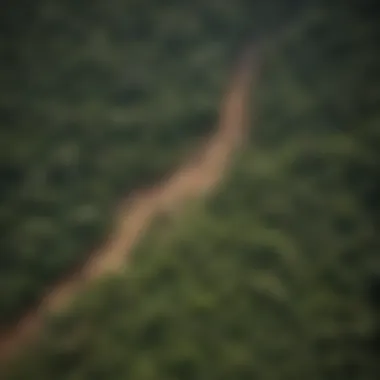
[(97, 98), (277, 276)]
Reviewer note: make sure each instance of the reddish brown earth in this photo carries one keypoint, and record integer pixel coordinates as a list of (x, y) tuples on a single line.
[(194, 179)]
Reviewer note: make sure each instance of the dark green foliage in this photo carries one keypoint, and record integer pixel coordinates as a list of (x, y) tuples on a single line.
[(94, 101), (277, 276)]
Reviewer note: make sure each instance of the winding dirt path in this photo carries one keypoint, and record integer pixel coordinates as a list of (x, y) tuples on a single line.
[(194, 179)]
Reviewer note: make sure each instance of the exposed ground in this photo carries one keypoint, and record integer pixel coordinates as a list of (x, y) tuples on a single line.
[(195, 178)]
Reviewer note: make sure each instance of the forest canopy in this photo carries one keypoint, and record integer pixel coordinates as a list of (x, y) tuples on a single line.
[(274, 277)]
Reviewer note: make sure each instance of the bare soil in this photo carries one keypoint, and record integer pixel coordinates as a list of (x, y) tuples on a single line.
[(196, 178)]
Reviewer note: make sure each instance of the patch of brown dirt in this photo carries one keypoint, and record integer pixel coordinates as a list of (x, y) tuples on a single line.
[(194, 179)]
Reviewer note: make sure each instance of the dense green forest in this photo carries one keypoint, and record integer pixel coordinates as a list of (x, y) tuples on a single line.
[(277, 276), (97, 98)]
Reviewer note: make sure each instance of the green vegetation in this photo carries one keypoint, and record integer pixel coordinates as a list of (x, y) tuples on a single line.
[(277, 276), (97, 98)]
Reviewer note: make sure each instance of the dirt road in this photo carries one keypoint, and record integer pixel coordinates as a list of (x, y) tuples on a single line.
[(194, 179)]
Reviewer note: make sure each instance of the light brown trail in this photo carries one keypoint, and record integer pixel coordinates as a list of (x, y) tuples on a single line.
[(195, 178)]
